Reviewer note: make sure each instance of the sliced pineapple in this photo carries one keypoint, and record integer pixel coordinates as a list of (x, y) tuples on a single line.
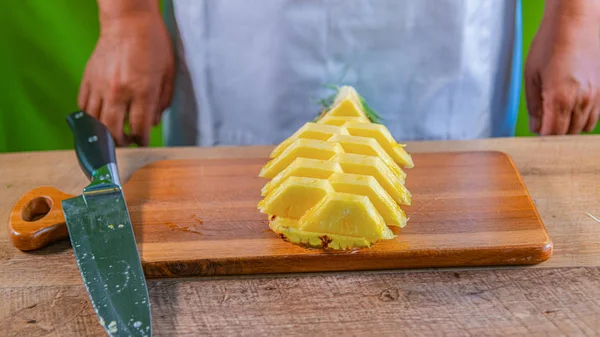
[(338, 221), (288, 229), (348, 215), (369, 147), (347, 103), (310, 131), (375, 167), (368, 186), (303, 167), (295, 196), (346, 108), (384, 138), (347, 92), (341, 120), (337, 182), (301, 147)]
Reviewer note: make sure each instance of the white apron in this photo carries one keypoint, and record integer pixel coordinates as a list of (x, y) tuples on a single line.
[(251, 72)]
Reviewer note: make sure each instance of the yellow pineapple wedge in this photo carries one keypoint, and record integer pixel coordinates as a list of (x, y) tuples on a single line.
[(310, 131), (383, 136), (337, 182), (374, 166), (368, 186), (295, 196), (369, 147), (301, 147), (341, 120), (303, 167)]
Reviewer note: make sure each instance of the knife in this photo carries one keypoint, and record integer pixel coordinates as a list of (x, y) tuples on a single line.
[(102, 236)]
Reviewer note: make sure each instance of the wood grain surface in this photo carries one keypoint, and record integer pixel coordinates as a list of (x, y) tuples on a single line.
[(526, 302), (199, 218), (43, 295)]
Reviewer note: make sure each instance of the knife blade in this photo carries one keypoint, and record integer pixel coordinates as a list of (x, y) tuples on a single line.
[(102, 236)]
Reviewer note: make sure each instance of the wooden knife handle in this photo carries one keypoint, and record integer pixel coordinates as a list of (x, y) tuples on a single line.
[(37, 219)]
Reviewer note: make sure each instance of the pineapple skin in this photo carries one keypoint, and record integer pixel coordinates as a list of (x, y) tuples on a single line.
[(314, 239)]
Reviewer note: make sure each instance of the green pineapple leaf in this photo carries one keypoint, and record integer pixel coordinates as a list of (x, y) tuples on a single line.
[(371, 114)]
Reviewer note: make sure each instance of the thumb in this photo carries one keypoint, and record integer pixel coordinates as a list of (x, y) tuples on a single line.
[(533, 96)]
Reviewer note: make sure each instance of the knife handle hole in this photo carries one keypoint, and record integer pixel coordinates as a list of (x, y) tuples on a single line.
[(36, 209)]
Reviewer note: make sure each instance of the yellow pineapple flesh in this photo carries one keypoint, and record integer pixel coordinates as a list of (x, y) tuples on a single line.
[(337, 182), (368, 186), (369, 147), (346, 108), (310, 131), (346, 214), (303, 167), (374, 166), (383, 136), (284, 201), (301, 147), (341, 120)]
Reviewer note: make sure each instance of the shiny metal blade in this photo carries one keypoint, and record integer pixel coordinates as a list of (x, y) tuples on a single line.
[(104, 245)]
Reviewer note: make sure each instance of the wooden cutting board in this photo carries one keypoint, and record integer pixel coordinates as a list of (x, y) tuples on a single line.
[(199, 217)]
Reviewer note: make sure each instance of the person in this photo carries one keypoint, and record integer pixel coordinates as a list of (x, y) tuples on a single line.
[(241, 72)]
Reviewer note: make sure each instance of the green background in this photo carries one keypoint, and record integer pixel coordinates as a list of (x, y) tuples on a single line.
[(45, 47)]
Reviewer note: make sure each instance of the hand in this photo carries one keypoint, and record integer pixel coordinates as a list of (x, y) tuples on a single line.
[(129, 75), (562, 72)]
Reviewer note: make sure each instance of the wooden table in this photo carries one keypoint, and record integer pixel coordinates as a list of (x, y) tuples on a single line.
[(41, 293)]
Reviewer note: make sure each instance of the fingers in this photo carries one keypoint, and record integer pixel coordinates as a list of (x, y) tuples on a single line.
[(89, 99), (94, 104), (113, 117), (157, 116), (593, 117), (141, 117), (166, 95), (565, 113), (82, 96), (592, 122), (116, 97), (557, 110), (534, 101), (580, 114), (112, 110)]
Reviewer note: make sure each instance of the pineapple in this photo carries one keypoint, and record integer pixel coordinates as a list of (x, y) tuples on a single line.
[(383, 136), (338, 182), (310, 131), (340, 121)]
